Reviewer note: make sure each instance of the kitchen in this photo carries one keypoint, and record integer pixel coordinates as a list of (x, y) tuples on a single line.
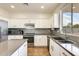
[(39, 29)]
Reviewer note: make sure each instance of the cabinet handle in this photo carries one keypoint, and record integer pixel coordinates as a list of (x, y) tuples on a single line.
[(64, 54)]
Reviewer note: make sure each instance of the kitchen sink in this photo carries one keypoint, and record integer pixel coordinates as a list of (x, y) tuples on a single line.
[(61, 40), (65, 41), (58, 38)]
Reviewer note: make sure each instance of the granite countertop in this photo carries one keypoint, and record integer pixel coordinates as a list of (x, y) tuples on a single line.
[(8, 47), (71, 48)]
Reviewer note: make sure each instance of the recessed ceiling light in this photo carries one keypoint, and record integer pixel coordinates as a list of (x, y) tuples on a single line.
[(42, 7), (12, 6), (74, 7)]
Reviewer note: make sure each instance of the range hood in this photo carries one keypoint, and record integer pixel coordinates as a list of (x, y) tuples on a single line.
[(29, 26)]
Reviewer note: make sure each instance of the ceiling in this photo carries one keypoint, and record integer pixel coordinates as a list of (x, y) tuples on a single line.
[(32, 7), (70, 8), (76, 9)]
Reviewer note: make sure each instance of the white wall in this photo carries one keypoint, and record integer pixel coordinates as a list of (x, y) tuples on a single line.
[(4, 15)]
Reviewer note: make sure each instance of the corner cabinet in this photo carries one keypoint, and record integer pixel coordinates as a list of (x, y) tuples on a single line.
[(21, 51)]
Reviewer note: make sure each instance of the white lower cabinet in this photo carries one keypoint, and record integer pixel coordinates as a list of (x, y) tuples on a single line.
[(40, 40), (51, 47), (54, 48), (22, 51), (57, 50), (15, 37)]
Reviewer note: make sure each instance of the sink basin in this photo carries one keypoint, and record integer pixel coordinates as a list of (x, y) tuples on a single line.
[(65, 41), (58, 38), (61, 40)]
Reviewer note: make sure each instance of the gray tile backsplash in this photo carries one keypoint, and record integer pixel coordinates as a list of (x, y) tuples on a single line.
[(45, 31)]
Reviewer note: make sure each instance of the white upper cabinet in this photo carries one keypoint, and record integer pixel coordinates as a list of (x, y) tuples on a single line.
[(42, 23), (39, 23), (52, 22), (16, 23), (40, 20), (55, 21)]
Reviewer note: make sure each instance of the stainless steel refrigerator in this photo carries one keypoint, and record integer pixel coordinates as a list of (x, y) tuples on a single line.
[(3, 30)]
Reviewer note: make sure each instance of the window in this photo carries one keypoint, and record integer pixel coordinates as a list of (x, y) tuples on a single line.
[(66, 19), (70, 19), (75, 18)]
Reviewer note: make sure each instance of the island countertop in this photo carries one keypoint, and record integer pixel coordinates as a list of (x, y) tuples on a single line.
[(8, 47)]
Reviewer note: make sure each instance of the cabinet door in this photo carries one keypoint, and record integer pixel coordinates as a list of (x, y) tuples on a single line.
[(55, 49), (56, 20), (51, 47), (23, 50), (36, 40), (43, 23), (43, 40), (40, 40)]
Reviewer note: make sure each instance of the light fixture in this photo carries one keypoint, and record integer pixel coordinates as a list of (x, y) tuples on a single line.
[(42, 7), (12, 6)]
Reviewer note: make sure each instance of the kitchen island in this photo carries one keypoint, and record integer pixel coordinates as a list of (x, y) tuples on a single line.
[(13, 48)]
